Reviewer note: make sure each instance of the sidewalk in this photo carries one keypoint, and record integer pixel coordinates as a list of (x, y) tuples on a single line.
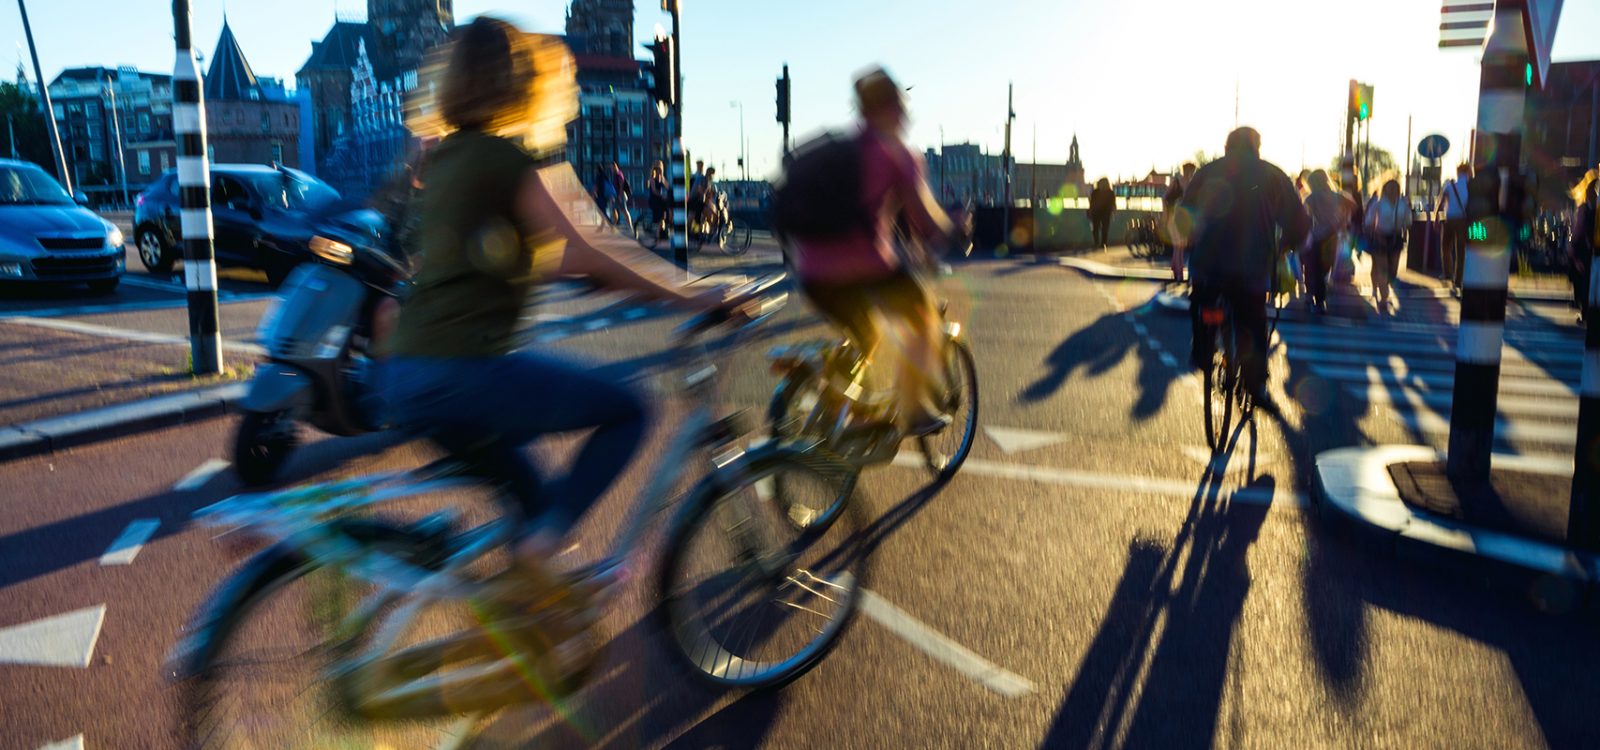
[(66, 387)]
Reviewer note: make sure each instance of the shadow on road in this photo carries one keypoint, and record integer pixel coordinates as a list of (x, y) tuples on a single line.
[(1155, 672), (1096, 350)]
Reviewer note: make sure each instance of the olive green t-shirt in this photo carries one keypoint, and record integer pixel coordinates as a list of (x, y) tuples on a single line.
[(478, 263)]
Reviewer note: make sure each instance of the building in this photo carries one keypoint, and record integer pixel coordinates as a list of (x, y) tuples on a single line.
[(1561, 130), (249, 120), (355, 83), (91, 130), (617, 118), (960, 173)]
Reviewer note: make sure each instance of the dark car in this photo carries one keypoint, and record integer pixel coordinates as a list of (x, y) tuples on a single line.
[(47, 236), (271, 218)]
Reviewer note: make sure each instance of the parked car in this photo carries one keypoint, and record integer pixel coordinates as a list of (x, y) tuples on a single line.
[(49, 236), (263, 217)]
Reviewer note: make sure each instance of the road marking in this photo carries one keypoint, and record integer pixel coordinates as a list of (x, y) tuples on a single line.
[(635, 313), (202, 474), (1169, 360), (130, 541), (595, 325), (1443, 383), (73, 743), (65, 640), (1013, 440), (940, 647), (1208, 460), (1184, 488), (145, 337)]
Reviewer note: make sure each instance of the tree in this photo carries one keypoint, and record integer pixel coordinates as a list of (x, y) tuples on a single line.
[(1380, 165), (1201, 158), (27, 122)]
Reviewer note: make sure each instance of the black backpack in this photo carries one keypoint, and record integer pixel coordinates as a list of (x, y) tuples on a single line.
[(819, 195)]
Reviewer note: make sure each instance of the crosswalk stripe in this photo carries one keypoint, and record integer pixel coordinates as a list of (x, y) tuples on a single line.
[(1511, 406), (1567, 349), (1442, 363), (1443, 383), (1428, 423), (1395, 331)]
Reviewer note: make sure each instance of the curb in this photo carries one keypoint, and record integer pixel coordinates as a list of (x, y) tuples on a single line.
[(1355, 487), (58, 433), (1094, 268)]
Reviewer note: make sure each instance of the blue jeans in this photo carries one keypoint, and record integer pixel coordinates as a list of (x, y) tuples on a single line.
[(486, 410)]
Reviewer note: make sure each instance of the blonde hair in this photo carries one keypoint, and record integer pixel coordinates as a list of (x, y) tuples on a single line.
[(1585, 187), (493, 77)]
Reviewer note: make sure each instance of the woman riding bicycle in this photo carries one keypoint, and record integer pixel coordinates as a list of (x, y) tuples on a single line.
[(860, 282), (494, 225)]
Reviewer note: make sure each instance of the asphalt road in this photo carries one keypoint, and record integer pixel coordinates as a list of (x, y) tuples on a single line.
[(1102, 586)]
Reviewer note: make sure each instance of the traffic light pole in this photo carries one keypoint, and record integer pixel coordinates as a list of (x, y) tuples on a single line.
[(1495, 215), (194, 191), (680, 164), (44, 96)]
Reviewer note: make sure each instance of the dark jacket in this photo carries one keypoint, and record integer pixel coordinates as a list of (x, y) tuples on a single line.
[(1101, 202), (1244, 209)]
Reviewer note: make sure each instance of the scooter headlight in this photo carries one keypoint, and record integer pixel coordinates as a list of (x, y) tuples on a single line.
[(332, 251)]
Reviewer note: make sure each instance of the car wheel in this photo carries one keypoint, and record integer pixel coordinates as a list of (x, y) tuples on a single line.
[(153, 252), (104, 286)]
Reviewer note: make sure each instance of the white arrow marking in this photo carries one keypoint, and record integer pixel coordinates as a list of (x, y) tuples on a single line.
[(202, 474), (75, 743), (1013, 440), (127, 545), (939, 646), (60, 641)]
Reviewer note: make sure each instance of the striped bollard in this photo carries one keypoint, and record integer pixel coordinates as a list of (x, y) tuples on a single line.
[(680, 204), (194, 190), (1583, 517)]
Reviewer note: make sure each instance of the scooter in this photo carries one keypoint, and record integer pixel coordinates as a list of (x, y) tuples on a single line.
[(318, 337)]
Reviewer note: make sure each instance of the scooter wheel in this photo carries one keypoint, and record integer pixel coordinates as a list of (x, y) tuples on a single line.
[(263, 443)]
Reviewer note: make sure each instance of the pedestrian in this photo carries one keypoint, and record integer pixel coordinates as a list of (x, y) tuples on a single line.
[(1585, 239), (1330, 212), (1169, 205), (604, 187), (1454, 204), (1344, 263), (1388, 218), (1102, 202), (621, 195), (660, 196)]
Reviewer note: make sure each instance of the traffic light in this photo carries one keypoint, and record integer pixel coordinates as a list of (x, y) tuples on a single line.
[(1360, 108), (783, 96), (665, 73)]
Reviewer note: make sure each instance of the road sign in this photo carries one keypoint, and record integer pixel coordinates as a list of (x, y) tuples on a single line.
[(1543, 15), (1433, 146), (1465, 23)]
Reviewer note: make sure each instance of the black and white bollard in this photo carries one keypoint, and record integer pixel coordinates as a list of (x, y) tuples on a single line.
[(1494, 213), (1583, 518), (194, 190), (680, 204)]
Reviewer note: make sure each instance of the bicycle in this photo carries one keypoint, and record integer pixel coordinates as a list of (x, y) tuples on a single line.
[(1142, 238), (730, 234), (825, 400), (428, 642)]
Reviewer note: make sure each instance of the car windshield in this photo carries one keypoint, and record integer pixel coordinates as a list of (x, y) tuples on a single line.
[(294, 192), (30, 187)]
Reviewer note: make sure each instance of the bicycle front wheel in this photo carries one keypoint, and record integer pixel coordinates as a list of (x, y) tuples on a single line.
[(1132, 239), (946, 450), (749, 599), (737, 241)]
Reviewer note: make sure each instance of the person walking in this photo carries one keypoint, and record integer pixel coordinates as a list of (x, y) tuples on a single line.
[(621, 197), (660, 196), (1330, 212), (1454, 204), (1388, 218), (1102, 202), (1169, 205), (1585, 239)]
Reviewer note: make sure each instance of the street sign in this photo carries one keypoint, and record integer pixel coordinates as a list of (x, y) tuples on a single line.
[(1465, 23), (1433, 146), (1543, 15)]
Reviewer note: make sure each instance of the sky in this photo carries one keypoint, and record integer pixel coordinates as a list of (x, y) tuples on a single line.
[(1142, 83)]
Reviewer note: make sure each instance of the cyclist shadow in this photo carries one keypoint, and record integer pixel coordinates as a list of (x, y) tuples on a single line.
[(1096, 350), (1155, 672)]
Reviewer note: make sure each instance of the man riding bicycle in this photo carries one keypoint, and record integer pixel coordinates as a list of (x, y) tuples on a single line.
[(856, 278), (1235, 215)]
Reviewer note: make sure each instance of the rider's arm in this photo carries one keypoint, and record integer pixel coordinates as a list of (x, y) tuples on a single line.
[(614, 262), (927, 218)]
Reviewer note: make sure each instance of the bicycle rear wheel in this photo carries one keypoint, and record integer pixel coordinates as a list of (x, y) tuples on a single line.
[(749, 599), (737, 241), (1219, 389)]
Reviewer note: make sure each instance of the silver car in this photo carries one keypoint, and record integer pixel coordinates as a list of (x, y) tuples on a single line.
[(48, 237)]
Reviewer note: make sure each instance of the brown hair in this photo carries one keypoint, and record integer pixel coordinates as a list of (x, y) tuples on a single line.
[(494, 78), (487, 76)]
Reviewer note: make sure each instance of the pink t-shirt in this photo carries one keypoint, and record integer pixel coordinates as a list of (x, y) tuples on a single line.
[(891, 177)]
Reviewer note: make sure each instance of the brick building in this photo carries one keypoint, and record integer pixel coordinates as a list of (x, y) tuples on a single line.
[(249, 120), (82, 99)]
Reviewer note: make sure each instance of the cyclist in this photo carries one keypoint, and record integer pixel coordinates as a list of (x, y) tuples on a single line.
[(660, 196), (493, 225), (621, 196), (857, 280), (1229, 220)]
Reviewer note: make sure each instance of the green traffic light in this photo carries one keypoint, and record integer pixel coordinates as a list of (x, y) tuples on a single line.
[(1477, 232), (1365, 112), (1527, 73)]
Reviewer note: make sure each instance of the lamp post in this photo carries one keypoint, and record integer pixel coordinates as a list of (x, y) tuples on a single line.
[(744, 158), (116, 127), (44, 96)]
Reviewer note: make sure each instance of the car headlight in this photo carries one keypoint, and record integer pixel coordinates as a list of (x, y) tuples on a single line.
[(114, 238), (332, 251), (10, 270)]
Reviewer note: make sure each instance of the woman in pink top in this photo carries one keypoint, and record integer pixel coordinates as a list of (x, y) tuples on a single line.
[(859, 280)]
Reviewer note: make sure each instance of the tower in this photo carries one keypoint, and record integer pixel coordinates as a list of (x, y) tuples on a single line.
[(605, 26), (404, 29), (1072, 154)]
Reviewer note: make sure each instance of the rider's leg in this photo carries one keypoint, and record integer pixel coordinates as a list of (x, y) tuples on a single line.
[(1250, 323), (1203, 346)]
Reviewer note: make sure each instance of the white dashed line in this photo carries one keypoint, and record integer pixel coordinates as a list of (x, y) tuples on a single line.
[(940, 647), (127, 545), (124, 334), (1184, 488), (74, 743), (595, 325), (65, 640), (1169, 360), (202, 474)]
